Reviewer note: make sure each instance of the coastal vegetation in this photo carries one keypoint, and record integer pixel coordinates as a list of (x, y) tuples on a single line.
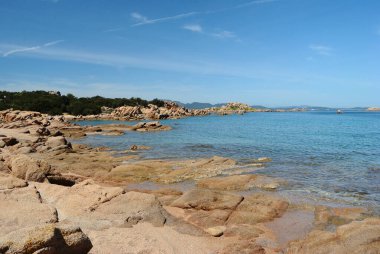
[(53, 103)]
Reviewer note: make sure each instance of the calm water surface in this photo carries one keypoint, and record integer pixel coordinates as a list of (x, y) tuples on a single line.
[(323, 155)]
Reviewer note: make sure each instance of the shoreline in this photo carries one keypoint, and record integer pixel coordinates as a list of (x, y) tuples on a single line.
[(227, 210)]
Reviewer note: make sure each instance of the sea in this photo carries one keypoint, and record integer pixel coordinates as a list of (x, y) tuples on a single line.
[(324, 157)]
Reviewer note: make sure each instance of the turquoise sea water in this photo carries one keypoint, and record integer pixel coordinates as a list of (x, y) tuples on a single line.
[(321, 154)]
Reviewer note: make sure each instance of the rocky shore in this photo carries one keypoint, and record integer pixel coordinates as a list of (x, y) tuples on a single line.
[(171, 110), (58, 197)]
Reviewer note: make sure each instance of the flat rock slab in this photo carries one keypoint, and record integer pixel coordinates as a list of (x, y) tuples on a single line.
[(93, 206), (257, 208), (204, 199), (145, 238), (239, 182)]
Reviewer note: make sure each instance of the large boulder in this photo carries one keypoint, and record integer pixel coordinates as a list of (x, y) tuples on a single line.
[(29, 169), (47, 239), (355, 238), (58, 141)]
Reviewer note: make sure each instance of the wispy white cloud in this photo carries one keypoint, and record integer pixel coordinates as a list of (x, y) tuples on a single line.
[(142, 20), (25, 49), (321, 49), (14, 51), (194, 28), (48, 44), (138, 17)]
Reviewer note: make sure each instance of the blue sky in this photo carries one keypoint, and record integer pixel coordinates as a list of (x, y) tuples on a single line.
[(268, 52)]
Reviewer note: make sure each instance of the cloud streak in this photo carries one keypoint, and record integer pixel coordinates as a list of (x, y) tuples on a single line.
[(25, 49), (143, 20)]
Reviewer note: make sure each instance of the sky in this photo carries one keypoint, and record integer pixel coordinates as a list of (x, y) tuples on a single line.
[(260, 52)]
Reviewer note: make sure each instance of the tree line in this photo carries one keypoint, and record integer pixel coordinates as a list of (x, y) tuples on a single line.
[(54, 103)]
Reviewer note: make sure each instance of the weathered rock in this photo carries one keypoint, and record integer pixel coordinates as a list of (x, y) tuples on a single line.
[(243, 231), (49, 239), (23, 208), (165, 171), (203, 199), (257, 208), (43, 131), (25, 150), (149, 126), (355, 238), (243, 247), (92, 206), (27, 168), (239, 182), (131, 208), (10, 182), (216, 231), (56, 141)]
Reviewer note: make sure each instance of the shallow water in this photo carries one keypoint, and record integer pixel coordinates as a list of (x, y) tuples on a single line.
[(323, 155)]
